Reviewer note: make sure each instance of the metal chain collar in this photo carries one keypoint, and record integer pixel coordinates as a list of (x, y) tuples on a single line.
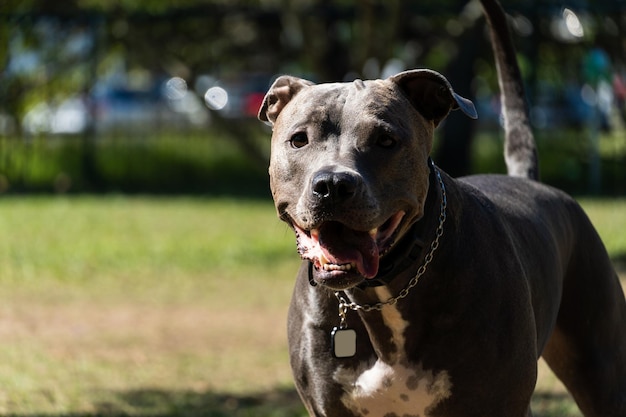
[(344, 304)]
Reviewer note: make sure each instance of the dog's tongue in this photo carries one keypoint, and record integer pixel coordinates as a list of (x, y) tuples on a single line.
[(341, 245)]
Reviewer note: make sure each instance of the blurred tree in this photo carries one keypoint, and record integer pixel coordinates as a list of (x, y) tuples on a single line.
[(321, 39)]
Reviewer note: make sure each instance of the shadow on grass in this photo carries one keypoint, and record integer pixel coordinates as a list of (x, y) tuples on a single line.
[(161, 403), (276, 403), (166, 403)]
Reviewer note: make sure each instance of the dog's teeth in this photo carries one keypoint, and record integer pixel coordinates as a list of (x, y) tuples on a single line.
[(315, 234), (328, 266), (373, 233), (334, 267)]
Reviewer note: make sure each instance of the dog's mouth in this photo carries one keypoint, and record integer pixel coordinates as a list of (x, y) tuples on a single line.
[(338, 251)]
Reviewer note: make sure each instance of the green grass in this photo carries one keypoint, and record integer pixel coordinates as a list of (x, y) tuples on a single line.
[(149, 306), (144, 306), (609, 218), (118, 241)]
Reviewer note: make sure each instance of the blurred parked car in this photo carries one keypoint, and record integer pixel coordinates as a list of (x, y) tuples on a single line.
[(235, 97), (116, 108)]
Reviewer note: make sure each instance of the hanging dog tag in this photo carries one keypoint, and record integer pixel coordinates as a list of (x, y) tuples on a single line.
[(343, 342)]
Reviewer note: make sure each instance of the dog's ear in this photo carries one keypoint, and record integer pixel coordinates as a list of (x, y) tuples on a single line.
[(280, 93), (432, 95)]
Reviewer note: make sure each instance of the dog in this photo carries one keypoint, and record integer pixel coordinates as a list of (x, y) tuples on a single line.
[(424, 295)]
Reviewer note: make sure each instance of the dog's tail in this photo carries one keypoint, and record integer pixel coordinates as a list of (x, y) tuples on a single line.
[(520, 151)]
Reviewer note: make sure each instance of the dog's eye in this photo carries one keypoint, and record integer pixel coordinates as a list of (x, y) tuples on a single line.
[(385, 141), (299, 140)]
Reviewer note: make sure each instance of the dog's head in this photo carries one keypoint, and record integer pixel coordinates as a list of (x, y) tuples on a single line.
[(348, 167)]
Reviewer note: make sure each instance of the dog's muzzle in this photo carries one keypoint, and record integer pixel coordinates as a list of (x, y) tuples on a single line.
[(337, 250)]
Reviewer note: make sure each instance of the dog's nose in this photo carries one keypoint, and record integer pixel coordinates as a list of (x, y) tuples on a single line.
[(334, 187)]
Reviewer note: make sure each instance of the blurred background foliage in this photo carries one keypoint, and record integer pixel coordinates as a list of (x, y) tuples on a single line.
[(160, 96)]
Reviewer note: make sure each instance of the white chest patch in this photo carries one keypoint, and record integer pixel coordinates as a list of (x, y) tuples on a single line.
[(393, 390)]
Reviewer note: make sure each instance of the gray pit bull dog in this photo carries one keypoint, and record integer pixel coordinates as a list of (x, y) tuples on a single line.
[(424, 295)]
